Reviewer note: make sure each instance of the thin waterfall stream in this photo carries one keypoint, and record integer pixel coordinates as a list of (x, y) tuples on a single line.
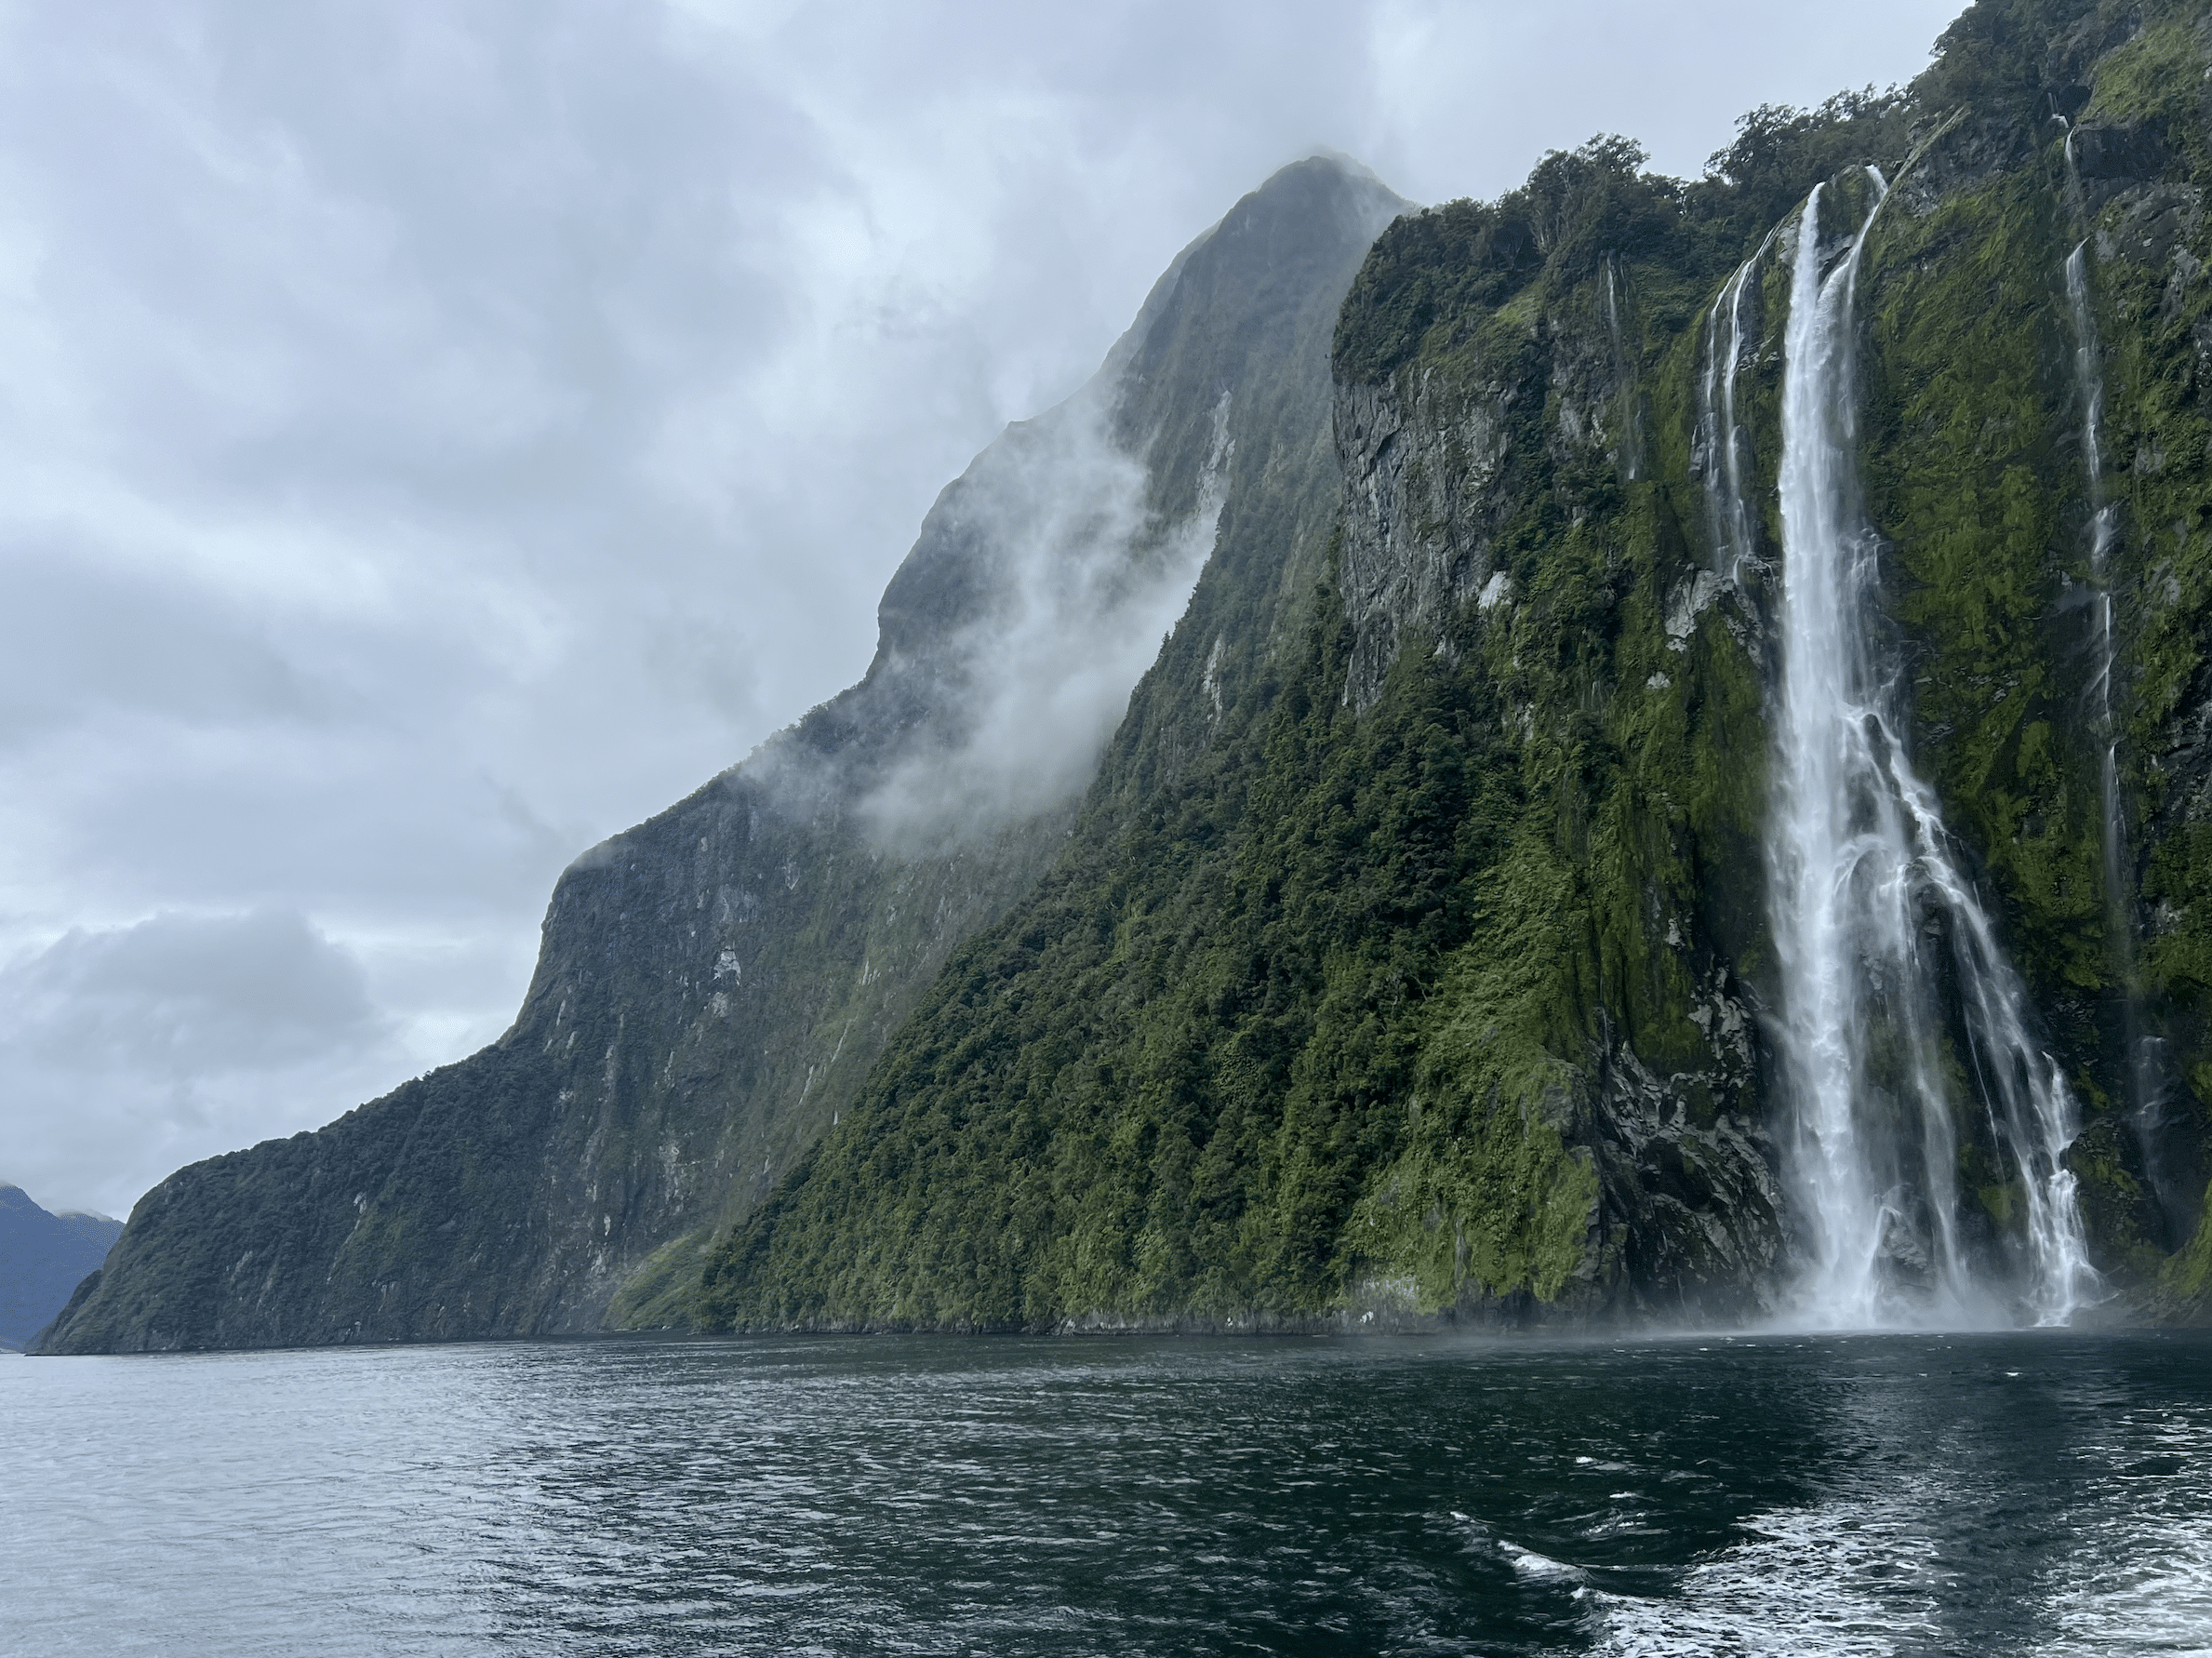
[(2089, 384), (2103, 530), (1728, 509), (1866, 888)]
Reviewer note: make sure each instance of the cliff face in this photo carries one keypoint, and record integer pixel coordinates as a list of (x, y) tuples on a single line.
[(1434, 977), (715, 984)]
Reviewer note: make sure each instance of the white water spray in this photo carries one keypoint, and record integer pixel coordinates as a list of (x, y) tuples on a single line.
[(1864, 882)]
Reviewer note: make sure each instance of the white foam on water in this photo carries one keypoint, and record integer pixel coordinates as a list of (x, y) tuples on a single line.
[(1527, 1563), (1841, 1580), (2138, 1577), (2157, 1602)]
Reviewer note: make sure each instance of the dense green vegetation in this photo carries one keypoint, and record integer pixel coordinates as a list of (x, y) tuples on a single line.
[(1317, 1019), (715, 984), (1408, 956), (1353, 1008)]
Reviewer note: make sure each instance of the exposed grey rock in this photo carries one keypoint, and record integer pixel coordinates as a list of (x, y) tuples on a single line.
[(2111, 161), (2153, 219), (1417, 521)]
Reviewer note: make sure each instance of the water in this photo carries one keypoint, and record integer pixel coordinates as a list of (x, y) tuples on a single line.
[(2089, 385), (1986, 1494), (1631, 422), (1864, 879), (2145, 1082), (1727, 505)]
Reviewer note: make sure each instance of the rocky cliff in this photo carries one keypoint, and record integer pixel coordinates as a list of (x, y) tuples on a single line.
[(1430, 972), (715, 984)]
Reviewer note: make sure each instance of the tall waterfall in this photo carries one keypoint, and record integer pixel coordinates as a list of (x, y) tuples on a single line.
[(1865, 886), (1631, 425), (2088, 379)]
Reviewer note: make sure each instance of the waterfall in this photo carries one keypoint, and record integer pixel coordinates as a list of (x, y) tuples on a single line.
[(2076, 203), (1864, 882), (1728, 515), (2088, 380), (1632, 431), (2089, 385), (2144, 1083)]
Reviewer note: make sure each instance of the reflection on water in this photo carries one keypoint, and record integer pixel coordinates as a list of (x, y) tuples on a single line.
[(2038, 1492)]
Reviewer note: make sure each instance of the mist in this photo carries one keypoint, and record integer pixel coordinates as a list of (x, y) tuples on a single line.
[(1088, 578)]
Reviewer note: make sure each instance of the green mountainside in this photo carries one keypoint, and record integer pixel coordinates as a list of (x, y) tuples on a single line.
[(1406, 956), (715, 984), (1420, 969)]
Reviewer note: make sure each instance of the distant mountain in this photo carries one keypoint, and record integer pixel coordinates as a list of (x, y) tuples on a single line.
[(42, 1257)]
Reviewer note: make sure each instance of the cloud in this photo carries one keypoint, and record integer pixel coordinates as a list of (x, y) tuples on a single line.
[(183, 996), (1087, 582), (436, 436), (148, 1046)]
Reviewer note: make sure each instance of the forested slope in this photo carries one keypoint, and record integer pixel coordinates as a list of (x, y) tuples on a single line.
[(1426, 972)]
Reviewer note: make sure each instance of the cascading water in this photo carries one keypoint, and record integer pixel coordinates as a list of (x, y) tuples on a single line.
[(1728, 512), (2089, 382), (1863, 878), (2143, 1068), (1631, 426)]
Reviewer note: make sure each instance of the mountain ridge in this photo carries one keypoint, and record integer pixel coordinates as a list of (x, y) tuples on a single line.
[(1408, 958), (1453, 999), (715, 982)]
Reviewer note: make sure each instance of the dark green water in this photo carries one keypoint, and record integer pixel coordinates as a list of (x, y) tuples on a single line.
[(2045, 1494)]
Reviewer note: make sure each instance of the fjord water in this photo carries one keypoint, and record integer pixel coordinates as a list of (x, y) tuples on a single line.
[(2033, 1492)]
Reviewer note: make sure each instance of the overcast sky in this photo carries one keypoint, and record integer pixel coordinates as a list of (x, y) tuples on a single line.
[(434, 436)]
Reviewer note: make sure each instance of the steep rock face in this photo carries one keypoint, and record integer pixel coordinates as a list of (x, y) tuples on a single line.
[(1436, 983), (715, 984), (1530, 432)]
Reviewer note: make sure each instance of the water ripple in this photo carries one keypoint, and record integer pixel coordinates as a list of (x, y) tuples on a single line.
[(1903, 1494)]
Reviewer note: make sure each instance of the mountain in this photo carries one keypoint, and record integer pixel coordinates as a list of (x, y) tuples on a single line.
[(715, 984), (1504, 950), (1681, 790), (42, 1257)]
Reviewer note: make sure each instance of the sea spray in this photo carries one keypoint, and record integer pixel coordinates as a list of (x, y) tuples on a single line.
[(1862, 876)]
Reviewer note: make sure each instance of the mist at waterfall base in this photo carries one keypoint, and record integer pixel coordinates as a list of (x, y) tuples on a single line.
[(2031, 1491)]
